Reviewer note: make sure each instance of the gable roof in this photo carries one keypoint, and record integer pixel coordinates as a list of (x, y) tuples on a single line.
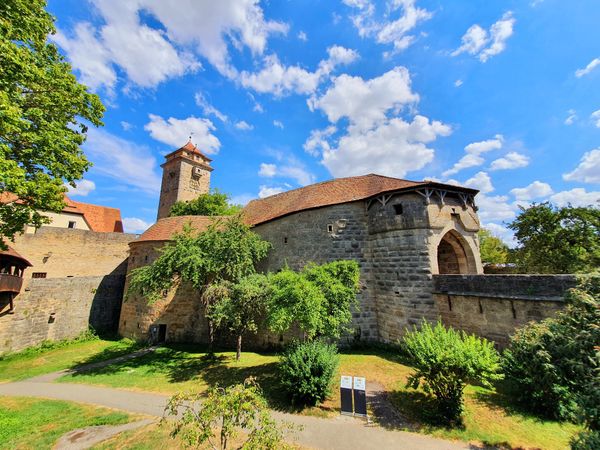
[(190, 148), (165, 228), (332, 192), (100, 218)]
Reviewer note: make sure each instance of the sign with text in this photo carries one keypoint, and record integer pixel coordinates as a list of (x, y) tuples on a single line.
[(360, 397), (346, 394)]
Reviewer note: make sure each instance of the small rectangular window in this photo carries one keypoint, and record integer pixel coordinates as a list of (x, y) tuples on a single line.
[(330, 228), (72, 224), (285, 240), (398, 209), (38, 275)]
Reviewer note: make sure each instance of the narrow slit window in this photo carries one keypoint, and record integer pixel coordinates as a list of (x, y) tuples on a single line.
[(285, 240), (330, 228)]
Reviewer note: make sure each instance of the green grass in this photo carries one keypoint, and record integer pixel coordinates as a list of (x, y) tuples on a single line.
[(60, 356), (489, 418), (27, 423)]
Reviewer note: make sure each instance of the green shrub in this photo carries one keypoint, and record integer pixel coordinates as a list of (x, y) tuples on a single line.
[(445, 360), (551, 364), (306, 371)]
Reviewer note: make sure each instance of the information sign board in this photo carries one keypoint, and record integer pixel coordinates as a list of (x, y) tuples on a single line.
[(360, 397), (346, 394)]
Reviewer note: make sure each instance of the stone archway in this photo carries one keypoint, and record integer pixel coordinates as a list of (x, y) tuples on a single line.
[(454, 255)]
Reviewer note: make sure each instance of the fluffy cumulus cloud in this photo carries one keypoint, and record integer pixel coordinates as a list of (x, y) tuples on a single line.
[(394, 27), (176, 132), (244, 126), (149, 55), (587, 69), (595, 116), (512, 160), (267, 170), (473, 152), (266, 191), (82, 188), (480, 181), (487, 43), (135, 225), (588, 170), (280, 80), (535, 190), (375, 139), (290, 168), (576, 197), (125, 162)]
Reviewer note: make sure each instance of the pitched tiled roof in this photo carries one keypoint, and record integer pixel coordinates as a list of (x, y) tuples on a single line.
[(333, 192), (165, 228), (191, 148), (12, 253), (100, 218)]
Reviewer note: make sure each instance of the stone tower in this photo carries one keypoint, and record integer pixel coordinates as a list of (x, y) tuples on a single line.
[(186, 175)]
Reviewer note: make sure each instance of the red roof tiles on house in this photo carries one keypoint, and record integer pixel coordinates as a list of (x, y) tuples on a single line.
[(100, 218), (165, 228)]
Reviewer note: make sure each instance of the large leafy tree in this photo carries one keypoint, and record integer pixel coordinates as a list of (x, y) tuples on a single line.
[(214, 203), (557, 240), (492, 249), (226, 251), (44, 114)]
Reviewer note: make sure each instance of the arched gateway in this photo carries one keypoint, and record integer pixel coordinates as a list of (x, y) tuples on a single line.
[(454, 255)]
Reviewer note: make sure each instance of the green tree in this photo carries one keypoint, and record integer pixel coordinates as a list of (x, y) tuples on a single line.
[(227, 250), (43, 117), (492, 249), (319, 299), (557, 240), (227, 412), (241, 306), (446, 360), (214, 203)]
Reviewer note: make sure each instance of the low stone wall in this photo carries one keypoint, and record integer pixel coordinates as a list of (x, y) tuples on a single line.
[(61, 308), (493, 306)]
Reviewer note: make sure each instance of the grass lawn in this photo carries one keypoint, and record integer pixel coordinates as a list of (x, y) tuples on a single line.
[(38, 361), (27, 423), (488, 416)]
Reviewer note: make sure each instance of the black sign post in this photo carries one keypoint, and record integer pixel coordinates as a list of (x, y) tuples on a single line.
[(360, 397), (346, 395)]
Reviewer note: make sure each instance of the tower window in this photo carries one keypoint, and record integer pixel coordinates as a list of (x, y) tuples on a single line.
[(285, 240), (330, 228), (398, 209), (38, 275), (72, 224)]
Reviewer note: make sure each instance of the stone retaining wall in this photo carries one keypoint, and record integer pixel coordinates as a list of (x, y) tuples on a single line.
[(493, 306)]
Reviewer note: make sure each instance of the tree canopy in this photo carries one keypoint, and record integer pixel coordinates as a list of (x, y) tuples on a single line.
[(557, 240), (214, 203), (492, 249), (44, 117)]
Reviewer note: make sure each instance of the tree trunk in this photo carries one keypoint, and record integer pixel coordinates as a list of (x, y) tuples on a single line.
[(239, 348), (211, 337)]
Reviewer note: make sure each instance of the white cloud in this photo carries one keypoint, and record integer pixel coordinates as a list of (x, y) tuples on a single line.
[(588, 170), (82, 188), (242, 199), (281, 80), (388, 30), (124, 161), (365, 103), (484, 44), (266, 191), (576, 197), (278, 124), (473, 157), (135, 225), (207, 108), (512, 160), (302, 36), (458, 83), (267, 170), (374, 140), (571, 117), (244, 126), (535, 190), (595, 116), (176, 132), (480, 181), (587, 69), (126, 125), (152, 55), (494, 208)]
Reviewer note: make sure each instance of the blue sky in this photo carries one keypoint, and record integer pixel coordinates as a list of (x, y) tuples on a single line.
[(503, 96)]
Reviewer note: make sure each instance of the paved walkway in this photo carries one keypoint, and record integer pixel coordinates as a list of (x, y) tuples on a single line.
[(343, 433)]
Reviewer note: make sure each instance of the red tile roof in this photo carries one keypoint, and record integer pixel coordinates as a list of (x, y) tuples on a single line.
[(100, 218), (333, 192), (12, 253), (191, 148), (165, 228)]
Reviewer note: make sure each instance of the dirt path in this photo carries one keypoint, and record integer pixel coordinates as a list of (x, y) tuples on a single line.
[(84, 438)]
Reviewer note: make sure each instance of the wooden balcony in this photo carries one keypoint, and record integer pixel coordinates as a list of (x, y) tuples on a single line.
[(10, 283)]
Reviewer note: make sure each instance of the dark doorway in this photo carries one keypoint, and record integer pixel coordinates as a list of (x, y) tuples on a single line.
[(162, 333)]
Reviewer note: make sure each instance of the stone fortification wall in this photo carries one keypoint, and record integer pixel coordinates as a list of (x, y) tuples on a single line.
[(64, 252), (493, 306), (61, 308)]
